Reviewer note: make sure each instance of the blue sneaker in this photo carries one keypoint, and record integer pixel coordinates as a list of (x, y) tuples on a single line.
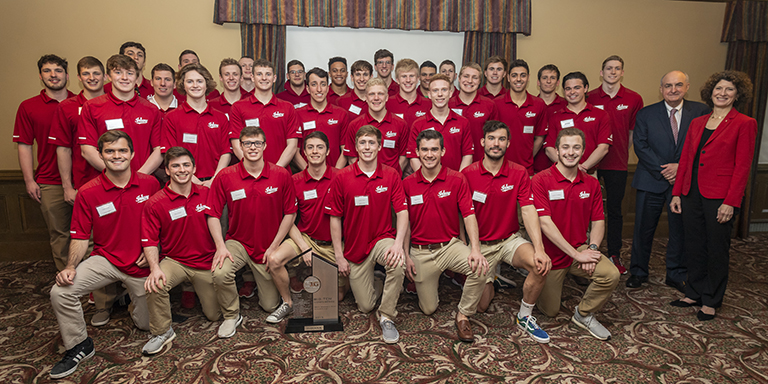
[(528, 324)]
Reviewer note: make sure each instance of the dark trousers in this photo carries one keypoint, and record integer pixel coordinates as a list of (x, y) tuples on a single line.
[(649, 206), (615, 183), (707, 244)]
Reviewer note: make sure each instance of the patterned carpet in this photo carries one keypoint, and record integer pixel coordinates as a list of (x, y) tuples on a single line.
[(652, 342)]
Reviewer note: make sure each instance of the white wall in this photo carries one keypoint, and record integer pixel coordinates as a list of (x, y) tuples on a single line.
[(763, 159)]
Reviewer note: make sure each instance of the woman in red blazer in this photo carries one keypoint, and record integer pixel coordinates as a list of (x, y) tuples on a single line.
[(711, 179)]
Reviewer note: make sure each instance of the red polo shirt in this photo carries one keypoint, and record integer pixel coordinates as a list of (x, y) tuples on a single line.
[(143, 90), (178, 225), (64, 134), (496, 198), (364, 204), (222, 104), (114, 215), (333, 97), (525, 122), (182, 98), (594, 122), (204, 134), (456, 137), (277, 118), (354, 105), (139, 118), (483, 91), (289, 95), (394, 88), (478, 111), (394, 138), (622, 109), (572, 207), (33, 123), (433, 207), (541, 161), (332, 121), (408, 112), (310, 194), (256, 205)]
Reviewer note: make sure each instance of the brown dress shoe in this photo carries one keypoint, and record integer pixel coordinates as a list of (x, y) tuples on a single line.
[(464, 331)]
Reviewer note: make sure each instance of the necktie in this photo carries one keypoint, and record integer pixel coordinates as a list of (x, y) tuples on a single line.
[(673, 123)]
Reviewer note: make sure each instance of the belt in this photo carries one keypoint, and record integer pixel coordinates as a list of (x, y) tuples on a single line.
[(493, 242), (430, 247), (322, 243), (205, 178)]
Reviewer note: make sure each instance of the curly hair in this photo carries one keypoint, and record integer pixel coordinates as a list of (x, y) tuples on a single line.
[(739, 79), (210, 83)]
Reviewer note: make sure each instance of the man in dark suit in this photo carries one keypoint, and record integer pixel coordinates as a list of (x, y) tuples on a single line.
[(659, 134)]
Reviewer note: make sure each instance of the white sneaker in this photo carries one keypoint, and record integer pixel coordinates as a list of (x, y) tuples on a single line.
[(591, 324), (228, 327), (388, 331), (156, 343)]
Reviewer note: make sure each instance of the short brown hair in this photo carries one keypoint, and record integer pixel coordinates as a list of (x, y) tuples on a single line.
[(250, 131), (89, 62), (230, 61), (440, 76), (472, 65), (210, 83), (176, 152), (368, 130), (739, 79), (361, 65), (264, 63), (570, 132), (495, 59), (121, 62), (113, 136), (612, 58)]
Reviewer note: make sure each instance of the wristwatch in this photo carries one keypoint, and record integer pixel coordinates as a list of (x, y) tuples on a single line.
[(593, 247)]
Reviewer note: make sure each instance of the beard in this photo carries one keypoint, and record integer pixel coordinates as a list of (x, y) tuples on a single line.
[(62, 84), (492, 157)]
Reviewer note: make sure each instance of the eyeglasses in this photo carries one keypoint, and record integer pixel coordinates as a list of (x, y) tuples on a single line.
[(384, 62), (299, 72), (248, 144)]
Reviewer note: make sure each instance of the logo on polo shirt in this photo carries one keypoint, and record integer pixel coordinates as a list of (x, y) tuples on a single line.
[(201, 207), (583, 195), (332, 121), (420, 113), (621, 107), (391, 134), (443, 193), (141, 198), (277, 114), (381, 189), (478, 114), (141, 120), (588, 119), (507, 187), (212, 125), (454, 130), (270, 190), (530, 114)]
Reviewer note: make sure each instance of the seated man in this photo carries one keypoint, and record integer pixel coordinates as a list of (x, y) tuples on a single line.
[(436, 195), (313, 229), (111, 206), (569, 205), (498, 186), (174, 221)]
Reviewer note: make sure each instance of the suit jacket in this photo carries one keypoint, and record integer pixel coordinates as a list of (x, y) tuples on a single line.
[(655, 144), (725, 159)]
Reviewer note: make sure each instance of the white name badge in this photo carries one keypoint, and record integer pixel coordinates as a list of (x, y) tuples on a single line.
[(600, 107), (237, 195), (178, 213), (528, 129), (458, 111), (189, 138), (479, 197), (311, 194), (389, 143), (309, 125), (418, 199), (355, 109), (567, 123), (361, 201), (114, 124), (106, 209), (79, 109), (252, 123), (557, 195), (400, 115)]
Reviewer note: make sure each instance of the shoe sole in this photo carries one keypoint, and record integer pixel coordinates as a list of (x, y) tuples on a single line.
[(538, 339), (71, 371), (392, 341), (100, 323), (234, 331), (573, 320), (248, 296), (150, 353)]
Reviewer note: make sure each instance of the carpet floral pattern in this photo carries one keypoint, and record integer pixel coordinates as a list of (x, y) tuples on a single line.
[(652, 341)]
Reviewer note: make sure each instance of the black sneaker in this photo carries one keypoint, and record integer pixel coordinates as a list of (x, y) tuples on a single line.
[(72, 359)]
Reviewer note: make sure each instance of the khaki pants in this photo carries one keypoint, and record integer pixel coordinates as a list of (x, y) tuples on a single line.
[(603, 281), (57, 214), (430, 264), (92, 274), (226, 290), (504, 251), (361, 281), (159, 304), (324, 251)]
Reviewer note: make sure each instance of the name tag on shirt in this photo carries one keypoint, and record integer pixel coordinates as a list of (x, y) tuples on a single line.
[(389, 143), (237, 195), (252, 122), (400, 115), (418, 199), (557, 195), (361, 201), (458, 111), (178, 213), (79, 109), (600, 107), (528, 129), (189, 138), (114, 124), (479, 197), (311, 194), (567, 123), (299, 105), (106, 209), (309, 125), (355, 109)]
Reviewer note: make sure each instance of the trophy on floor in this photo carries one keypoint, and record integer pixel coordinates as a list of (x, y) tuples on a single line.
[(315, 295)]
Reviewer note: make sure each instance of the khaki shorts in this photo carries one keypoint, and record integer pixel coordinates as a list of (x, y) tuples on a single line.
[(503, 251), (324, 251)]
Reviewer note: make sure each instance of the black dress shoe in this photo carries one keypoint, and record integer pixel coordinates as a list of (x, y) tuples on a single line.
[(636, 281), (679, 285), (704, 316), (685, 304)]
